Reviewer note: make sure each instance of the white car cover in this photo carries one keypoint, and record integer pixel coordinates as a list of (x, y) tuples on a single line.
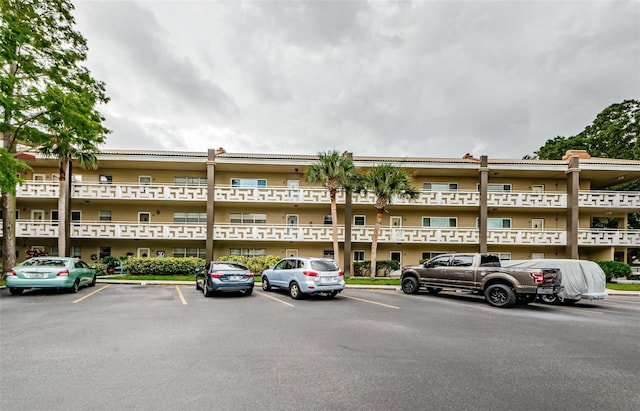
[(581, 279)]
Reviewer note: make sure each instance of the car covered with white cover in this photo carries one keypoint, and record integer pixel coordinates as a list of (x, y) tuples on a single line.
[(581, 279)]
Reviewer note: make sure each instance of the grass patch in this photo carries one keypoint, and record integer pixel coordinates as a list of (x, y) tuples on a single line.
[(150, 277), (623, 287), (348, 280)]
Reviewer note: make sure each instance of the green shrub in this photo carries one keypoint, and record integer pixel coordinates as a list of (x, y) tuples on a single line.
[(255, 264), (163, 266), (101, 268), (363, 268), (614, 269)]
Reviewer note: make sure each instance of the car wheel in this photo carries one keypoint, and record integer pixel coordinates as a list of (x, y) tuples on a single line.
[(500, 295), (75, 287), (265, 284), (93, 282), (248, 292), (433, 290), (549, 299), (294, 291), (15, 291), (410, 285), (205, 290)]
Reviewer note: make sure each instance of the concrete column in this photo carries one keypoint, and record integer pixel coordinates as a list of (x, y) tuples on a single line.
[(348, 217), (211, 168), (482, 218), (64, 213), (573, 214)]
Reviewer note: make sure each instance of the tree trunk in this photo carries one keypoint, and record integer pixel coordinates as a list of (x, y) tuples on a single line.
[(8, 233), (374, 244), (334, 226), (64, 210)]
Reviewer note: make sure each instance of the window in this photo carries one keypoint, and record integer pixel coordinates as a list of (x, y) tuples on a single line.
[(105, 252), (76, 178), (104, 179), (190, 181), (498, 188), (439, 222), (358, 255), (462, 260), (490, 260), (248, 218), (359, 220), (428, 255), (537, 256), (248, 252), (537, 188), (17, 216), (76, 251), (439, 186), (192, 218), (440, 261), (144, 218), (248, 182), (327, 253), (104, 215), (76, 217), (496, 223), (327, 219), (190, 252), (504, 256)]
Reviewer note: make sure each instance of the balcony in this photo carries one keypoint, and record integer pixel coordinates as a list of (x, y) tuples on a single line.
[(318, 195), (323, 233)]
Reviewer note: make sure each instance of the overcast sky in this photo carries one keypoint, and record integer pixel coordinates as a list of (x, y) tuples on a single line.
[(426, 79)]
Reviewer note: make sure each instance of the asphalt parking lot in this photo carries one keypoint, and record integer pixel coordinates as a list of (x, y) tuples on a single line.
[(138, 347)]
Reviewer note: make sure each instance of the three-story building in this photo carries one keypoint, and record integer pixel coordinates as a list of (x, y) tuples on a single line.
[(211, 204)]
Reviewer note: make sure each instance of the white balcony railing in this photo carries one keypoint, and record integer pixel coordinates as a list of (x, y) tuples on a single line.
[(316, 195), (323, 233), (609, 199)]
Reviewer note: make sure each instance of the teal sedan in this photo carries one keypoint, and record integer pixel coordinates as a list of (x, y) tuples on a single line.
[(50, 272)]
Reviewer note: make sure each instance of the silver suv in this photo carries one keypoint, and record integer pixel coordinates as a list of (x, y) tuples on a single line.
[(304, 276)]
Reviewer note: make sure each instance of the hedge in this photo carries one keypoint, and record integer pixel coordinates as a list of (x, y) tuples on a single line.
[(614, 269)]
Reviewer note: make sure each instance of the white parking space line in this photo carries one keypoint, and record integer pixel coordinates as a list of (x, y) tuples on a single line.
[(371, 302), (90, 294), (184, 302), (274, 298)]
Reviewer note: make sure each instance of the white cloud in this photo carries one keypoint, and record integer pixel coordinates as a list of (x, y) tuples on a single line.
[(375, 78)]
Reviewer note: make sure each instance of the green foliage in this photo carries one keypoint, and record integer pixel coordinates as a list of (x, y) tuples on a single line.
[(9, 167), (101, 268), (256, 264), (614, 269), (362, 268), (613, 134), (163, 266), (110, 261)]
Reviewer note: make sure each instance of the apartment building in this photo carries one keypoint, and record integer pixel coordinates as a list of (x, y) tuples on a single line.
[(211, 204)]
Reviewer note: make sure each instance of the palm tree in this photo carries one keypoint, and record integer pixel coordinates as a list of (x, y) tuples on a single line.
[(75, 130), (386, 182), (333, 170)]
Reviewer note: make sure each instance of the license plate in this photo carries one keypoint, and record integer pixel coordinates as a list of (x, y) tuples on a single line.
[(327, 279), (36, 275), (235, 277), (545, 291)]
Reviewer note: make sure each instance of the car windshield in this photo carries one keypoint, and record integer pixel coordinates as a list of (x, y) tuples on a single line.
[(49, 262), (324, 265)]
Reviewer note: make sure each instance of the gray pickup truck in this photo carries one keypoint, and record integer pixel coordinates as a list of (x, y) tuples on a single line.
[(502, 287)]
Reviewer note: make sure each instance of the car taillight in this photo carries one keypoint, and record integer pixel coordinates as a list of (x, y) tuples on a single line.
[(216, 275), (250, 275), (63, 272), (538, 278), (341, 273), (11, 272), (310, 273)]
